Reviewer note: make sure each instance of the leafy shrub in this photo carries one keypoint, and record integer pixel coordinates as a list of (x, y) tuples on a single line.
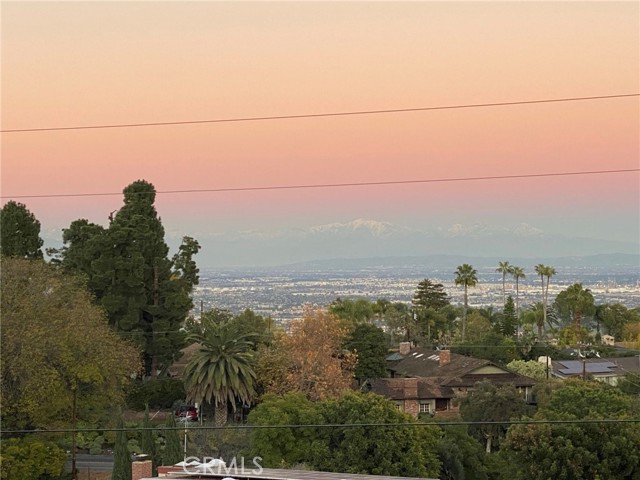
[(30, 458), (157, 393)]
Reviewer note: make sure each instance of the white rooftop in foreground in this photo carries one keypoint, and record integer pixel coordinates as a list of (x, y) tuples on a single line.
[(276, 474)]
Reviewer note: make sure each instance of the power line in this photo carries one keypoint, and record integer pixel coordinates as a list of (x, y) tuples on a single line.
[(335, 425), (336, 185), (319, 115)]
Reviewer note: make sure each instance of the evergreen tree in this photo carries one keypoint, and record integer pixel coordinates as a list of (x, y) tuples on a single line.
[(172, 450), (430, 295), (509, 321), (428, 299), (147, 443), (370, 346), (121, 457), (19, 232), (131, 276)]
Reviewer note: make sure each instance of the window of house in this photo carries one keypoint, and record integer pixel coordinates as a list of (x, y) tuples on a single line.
[(425, 407)]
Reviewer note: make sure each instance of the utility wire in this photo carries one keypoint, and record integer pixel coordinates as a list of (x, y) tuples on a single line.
[(335, 425), (319, 115), (336, 185)]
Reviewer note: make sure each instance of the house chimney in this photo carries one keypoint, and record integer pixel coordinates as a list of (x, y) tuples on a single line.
[(445, 357), (405, 348), (141, 467), (410, 388)]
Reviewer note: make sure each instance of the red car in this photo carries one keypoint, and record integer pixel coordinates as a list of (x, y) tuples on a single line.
[(187, 413)]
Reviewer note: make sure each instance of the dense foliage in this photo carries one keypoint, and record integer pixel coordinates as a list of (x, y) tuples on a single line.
[(310, 359), (379, 450), (146, 294), (579, 450), (370, 347), (489, 403), (222, 371), (19, 232), (56, 345), (30, 458)]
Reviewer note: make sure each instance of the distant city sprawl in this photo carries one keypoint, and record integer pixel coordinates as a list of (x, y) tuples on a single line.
[(282, 293)]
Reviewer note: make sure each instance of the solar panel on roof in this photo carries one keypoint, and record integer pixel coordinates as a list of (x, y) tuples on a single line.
[(570, 371), (575, 366), (600, 367)]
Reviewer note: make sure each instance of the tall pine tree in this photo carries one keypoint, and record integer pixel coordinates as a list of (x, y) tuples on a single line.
[(430, 295), (146, 294)]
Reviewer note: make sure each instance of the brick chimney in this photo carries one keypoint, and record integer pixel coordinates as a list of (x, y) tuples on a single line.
[(405, 348), (141, 467), (410, 388), (445, 357)]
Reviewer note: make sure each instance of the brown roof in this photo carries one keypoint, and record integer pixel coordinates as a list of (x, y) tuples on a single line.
[(421, 362), (507, 378), (177, 368), (405, 388), (458, 372)]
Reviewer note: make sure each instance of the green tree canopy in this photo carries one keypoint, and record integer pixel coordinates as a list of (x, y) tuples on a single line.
[(56, 344), (530, 368), (374, 450), (30, 458), (353, 311), (370, 345), (147, 295), (576, 451), (508, 323), (574, 303), (489, 403), (286, 446), (615, 318), (430, 295), (461, 456), (19, 232)]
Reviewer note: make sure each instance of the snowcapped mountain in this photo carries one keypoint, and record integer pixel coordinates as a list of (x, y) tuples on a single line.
[(371, 238)]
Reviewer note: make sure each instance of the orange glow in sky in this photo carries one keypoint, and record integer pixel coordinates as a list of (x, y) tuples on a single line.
[(92, 63)]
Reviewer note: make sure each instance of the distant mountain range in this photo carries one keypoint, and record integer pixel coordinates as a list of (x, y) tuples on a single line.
[(394, 244), (619, 261)]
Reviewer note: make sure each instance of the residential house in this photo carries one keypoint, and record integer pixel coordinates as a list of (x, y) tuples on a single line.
[(428, 381), (607, 370)]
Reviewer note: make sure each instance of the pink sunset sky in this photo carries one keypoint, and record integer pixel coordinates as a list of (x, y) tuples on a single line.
[(96, 63)]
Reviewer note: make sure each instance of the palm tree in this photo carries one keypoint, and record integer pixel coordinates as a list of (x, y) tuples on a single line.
[(545, 271), (548, 272), (504, 268), (536, 313), (517, 273), (540, 269), (466, 275), (222, 370)]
